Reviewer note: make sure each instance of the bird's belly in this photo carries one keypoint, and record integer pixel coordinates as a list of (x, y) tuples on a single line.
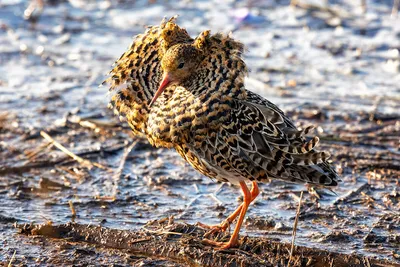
[(223, 175), (210, 170)]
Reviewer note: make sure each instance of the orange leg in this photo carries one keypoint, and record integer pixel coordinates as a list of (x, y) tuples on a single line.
[(225, 224), (241, 211)]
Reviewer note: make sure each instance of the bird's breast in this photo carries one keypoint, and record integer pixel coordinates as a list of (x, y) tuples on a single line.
[(180, 117), (170, 118)]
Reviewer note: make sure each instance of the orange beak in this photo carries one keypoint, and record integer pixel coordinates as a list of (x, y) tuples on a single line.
[(164, 83)]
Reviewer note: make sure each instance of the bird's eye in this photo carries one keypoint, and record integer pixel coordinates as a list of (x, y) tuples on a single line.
[(181, 65)]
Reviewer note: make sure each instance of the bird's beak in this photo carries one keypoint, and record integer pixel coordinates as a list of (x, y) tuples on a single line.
[(164, 83)]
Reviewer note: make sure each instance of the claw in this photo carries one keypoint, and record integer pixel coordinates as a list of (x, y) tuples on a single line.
[(248, 197), (221, 245), (214, 228)]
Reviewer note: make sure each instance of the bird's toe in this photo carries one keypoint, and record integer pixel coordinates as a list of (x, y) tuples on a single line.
[(220, 245)]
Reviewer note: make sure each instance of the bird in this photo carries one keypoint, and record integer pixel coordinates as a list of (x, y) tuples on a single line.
[(189, 94)]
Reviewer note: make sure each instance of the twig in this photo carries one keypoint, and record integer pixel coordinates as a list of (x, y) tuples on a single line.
[(196, 188), (27, 167), (214, 197), (219, 188), (52, 163), (339, 13), (351, 193), (82, 161), (118, 173), (188, 206), (73, 174), (294, 196), (73, 212), (31, 155), (12, 259), (92, 123), (105, 198), (367, 262), (140, 240), (162, 232), (295, 228)]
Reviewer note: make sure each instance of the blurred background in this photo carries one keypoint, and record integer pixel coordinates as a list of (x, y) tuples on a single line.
[(333, 64)]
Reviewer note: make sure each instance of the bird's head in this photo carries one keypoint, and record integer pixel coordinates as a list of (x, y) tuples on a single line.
[(178, 64)]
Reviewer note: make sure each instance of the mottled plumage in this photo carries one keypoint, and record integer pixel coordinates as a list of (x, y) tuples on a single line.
[(189, 94)]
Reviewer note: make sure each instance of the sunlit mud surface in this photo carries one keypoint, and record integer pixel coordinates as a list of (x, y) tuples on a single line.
[(336, 68)]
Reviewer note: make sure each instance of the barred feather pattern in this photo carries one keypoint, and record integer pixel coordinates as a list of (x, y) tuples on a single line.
[(184, 113), (222, 129), (137, 73), (254, 146)]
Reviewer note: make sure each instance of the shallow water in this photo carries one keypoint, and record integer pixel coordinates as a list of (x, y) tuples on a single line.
[(335, 77)]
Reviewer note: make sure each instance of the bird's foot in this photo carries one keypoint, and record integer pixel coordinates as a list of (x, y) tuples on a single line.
[(214, 228), (220, 245)]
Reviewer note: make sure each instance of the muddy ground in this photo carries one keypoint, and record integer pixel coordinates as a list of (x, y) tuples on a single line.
[(336, 67)]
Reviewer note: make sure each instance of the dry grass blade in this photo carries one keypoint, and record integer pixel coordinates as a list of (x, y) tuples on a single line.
[(352, 193), (118, 173), (188, 206), (295, 228), (214, 197), (340, 13), (92, 123), (12, 259), (73, 211), (82, 161), (32, 155)]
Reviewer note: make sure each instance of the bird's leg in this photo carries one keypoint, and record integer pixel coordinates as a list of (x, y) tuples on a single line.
[(225, 224), (233, 241)]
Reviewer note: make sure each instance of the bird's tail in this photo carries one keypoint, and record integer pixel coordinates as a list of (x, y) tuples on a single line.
[(318, 174)]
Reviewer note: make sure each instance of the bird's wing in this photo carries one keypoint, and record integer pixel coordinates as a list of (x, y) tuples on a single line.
[(137, 74), (258, 141), (277, 117)]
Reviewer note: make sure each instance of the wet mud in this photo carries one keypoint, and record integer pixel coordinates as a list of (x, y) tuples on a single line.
[(71, 172), (182, 244)]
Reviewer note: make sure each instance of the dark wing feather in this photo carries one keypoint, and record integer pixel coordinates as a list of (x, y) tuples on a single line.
[(259, 141)]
